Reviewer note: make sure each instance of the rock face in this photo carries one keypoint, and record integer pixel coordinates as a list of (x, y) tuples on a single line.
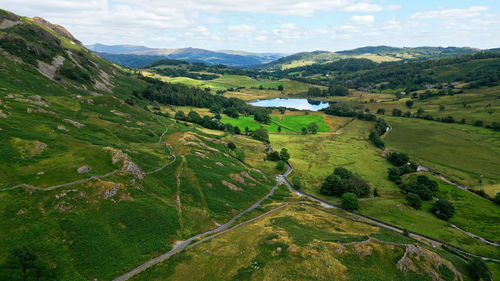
[(84, 169), (112, 192)]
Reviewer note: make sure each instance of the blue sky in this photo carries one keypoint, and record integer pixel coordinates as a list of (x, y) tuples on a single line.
[(285, 26)]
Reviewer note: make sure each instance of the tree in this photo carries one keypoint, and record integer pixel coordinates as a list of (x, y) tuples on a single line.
[(478, 269), (228, 128), (414, 200), (398, 159), (279, 129), (442, 107), (247, 130), (296, 182), (357, 185), (420, 111), (194, 117), (273, 156), (284, 155), (333, 185), (313, 128), (280, 88), (280, 166), (231, 146), (262, 117), (180, 115), (343, 173), (237, 130), (443, 209), (409, 103), (496, 199), (381, 111), (304, 131), (23, 264), (397, 112), (375, 193), (479, 123), (261, 134), (350, 201)]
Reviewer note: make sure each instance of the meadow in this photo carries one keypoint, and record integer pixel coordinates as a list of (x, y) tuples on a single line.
[(299, 243), (466, 154)]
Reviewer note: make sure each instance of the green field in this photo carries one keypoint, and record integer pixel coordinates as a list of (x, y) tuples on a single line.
[(466, 154), (288, 123)]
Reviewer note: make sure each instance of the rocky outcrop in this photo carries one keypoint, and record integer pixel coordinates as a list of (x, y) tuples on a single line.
[(84, 169), (130, 167), (74, 123)]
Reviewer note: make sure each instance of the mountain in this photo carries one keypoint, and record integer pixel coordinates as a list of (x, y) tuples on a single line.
[(131, 61), (229, 58), (374, 53)]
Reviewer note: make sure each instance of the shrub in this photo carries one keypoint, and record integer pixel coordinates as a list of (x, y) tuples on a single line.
[(443, 209), (350, 201), (496, 199), (297, 182), (414, 200), (280, 166), (312, 128), (478, 269)]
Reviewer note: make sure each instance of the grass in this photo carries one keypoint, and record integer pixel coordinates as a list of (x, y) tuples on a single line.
[(288, 123), (466, 154), (309, 251), (316, 156)]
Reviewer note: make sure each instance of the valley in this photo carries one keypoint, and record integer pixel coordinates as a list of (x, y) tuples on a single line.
[(376, 163)]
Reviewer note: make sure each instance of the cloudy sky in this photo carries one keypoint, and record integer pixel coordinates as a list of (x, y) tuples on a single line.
[(273, 25)]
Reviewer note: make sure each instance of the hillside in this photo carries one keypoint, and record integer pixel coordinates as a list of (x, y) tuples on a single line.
[(376, 54), (91, 183), (114, 174), (229, 58)]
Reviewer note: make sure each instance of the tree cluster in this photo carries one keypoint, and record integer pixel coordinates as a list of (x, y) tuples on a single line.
[(344, 181)]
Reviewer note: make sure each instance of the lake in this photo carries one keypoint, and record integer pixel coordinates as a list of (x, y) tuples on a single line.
[(301, 104)]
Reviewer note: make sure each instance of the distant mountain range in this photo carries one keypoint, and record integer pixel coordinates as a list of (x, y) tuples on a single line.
[(375, 53), (142, 55)]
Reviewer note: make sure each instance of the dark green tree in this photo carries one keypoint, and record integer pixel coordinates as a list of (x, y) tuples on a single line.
[(414, 200), (304, 131), (443, 209), (231, 146), (313, 128), (478, 269), (333, 185), (350, 201), (284, 155), (409, 103)]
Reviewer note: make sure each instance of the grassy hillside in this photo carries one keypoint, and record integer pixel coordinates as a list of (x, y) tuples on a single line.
[(93, 185)]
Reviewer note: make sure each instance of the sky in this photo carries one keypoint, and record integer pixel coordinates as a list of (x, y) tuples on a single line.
[(279, 26)]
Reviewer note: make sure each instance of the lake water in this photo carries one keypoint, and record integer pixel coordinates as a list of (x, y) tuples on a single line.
[(301, 104)]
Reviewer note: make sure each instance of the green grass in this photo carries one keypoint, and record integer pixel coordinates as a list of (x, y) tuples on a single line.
[(297, 122), (463, 153), (290, 123)]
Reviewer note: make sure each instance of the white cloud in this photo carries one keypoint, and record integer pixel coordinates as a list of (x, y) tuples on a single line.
[(451, 13), (363, 8), (364, 20)]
